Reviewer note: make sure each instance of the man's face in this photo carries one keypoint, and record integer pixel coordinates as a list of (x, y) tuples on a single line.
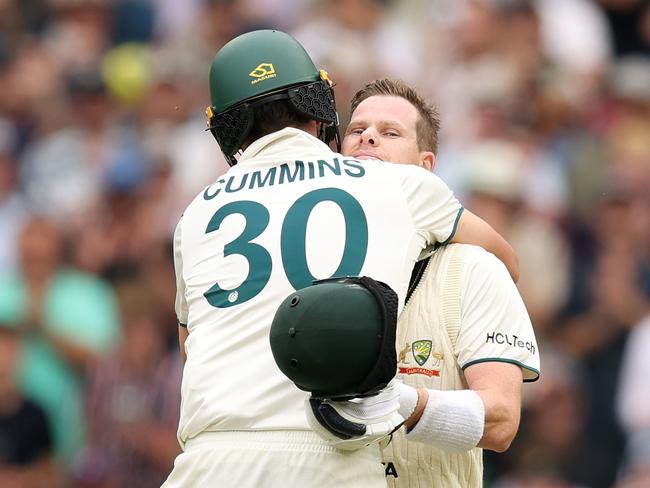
[(384, 127)]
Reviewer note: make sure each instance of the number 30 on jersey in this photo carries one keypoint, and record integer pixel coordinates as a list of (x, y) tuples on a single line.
[(292, 243)]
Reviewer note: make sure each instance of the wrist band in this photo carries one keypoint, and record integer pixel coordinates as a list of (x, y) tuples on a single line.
[(408, 399), (452, 420)]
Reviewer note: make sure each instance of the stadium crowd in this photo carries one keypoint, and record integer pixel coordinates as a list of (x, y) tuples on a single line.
[(545, 109)]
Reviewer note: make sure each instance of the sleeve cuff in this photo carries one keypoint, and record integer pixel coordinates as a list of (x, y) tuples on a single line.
[(453, 230)]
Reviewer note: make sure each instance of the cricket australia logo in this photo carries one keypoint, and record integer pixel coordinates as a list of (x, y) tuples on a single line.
[(264, 71), (421, 351)]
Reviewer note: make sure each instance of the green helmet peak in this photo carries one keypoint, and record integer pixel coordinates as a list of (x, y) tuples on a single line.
[(259, 67)]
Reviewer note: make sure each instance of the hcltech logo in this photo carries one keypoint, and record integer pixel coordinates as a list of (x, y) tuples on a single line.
[(264, 71), (510, 339)]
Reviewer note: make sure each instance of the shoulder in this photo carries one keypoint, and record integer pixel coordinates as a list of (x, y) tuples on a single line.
[(416, 183), (480, 270), (474, 258), (406, 170), (476, 268)]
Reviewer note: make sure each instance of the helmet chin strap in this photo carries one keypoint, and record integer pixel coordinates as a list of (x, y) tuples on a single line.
[(324, 134)]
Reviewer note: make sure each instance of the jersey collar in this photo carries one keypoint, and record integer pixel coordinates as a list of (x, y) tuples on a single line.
[(288, 141)]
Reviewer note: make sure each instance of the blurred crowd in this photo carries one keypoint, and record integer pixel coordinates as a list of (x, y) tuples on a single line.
[(545, 109)]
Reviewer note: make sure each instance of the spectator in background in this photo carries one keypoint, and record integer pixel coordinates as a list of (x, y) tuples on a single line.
[(629, 21), (110, 244), (133, 400), (634, 398), (359, 40), (62, 172), (575, 34), (495, 181), (611, 293), (26, 450), (75, 23), (634, 390), (173, 130), (12, 205), (67, 318), (550, 449)]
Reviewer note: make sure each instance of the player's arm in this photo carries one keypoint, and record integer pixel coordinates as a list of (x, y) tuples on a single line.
[(486, 415), (182, 337), (499, 385), (441, 217), (474, 230), (497, 351), (180, 304)]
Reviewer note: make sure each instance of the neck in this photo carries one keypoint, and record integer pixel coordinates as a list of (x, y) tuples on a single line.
[(310, 127)]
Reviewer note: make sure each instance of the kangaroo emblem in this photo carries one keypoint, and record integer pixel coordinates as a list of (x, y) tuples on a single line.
[(438, 356), (402, 354)]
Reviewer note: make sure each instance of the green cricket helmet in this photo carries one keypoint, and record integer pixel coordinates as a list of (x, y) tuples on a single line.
[(336, 338), (259, 67)]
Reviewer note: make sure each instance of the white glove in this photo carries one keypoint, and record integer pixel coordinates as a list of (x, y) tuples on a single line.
[(359, 422)]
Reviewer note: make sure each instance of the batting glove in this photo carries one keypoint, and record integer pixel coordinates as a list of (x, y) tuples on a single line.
[(356, 423)]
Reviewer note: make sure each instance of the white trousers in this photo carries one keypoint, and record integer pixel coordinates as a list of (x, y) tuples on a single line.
[(273, 459)]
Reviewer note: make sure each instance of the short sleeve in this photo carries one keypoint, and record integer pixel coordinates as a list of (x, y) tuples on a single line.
[(181, 300), (434, 208), (495, 326)]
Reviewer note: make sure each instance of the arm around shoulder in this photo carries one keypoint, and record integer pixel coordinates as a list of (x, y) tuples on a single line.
[(474, 230)]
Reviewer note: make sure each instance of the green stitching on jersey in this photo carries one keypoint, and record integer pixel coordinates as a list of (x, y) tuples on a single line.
[(453, 230)]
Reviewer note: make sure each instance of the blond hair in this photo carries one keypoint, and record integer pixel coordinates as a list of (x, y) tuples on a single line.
[(428, 123)]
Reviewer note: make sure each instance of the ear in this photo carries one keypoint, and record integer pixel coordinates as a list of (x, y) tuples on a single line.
[(427, 160)]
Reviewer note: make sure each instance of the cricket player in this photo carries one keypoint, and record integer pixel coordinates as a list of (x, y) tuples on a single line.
[(465, 342), (289, 211)]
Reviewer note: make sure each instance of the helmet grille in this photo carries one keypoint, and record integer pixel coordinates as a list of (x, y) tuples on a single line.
[(315, 100), (230, 129)]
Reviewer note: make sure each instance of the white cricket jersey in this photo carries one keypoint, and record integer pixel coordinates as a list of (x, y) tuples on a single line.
[(465, 310), (289, 212)]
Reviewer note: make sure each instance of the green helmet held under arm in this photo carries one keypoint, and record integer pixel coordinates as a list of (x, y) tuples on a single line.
[(336, 338), (259, 67)]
